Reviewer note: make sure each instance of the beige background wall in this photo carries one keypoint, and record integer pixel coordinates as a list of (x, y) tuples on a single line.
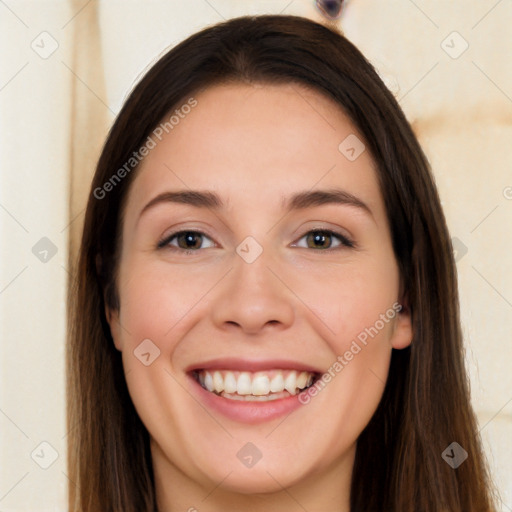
[(448, 62)]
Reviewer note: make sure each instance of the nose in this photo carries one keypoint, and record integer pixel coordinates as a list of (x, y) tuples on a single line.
[(254, 297)]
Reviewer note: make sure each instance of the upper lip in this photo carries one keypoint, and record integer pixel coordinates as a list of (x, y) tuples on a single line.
[(252, 365)]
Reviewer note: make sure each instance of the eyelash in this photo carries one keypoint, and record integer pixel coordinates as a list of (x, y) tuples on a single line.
[(346, 243)]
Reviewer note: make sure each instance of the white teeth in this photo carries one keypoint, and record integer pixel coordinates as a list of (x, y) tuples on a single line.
[(244, 386), (230, 385), (208, 381), (260, 385), (218, 382), (277, 383), (290, 383), (302, 380), (255, 386)]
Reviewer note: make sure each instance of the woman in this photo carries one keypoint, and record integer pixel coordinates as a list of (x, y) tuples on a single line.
[(266, 315)]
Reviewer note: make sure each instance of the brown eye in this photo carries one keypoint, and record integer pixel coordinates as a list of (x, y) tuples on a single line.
[(320, 239), (323, 239), (189, 240), (186, 240)]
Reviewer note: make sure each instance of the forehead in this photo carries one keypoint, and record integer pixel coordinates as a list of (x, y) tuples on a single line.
[(257, 142)]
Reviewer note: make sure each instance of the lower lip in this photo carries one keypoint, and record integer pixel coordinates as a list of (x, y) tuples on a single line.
[(245, 411)]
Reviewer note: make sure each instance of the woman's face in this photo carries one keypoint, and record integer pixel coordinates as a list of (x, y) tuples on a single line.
[(285, 271)]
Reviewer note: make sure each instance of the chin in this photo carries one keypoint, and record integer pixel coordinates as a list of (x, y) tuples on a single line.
[(254, 481)]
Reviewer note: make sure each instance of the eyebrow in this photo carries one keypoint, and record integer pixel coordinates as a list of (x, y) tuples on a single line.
[(298, 201)]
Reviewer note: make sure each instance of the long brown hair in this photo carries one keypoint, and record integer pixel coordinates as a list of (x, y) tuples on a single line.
[(426, 403)]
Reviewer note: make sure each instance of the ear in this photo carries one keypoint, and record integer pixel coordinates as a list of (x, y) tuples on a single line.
[(403, 332), (112, 317)]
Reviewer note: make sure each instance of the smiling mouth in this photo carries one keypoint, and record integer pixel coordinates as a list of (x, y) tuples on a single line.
[(261, 386)]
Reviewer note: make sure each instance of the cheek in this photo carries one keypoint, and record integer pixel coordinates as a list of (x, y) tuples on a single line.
[(352, 301), (359, 313), (357, 307), (157, 300)]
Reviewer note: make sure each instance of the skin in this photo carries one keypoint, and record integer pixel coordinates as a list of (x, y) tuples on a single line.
[(300, 300)]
